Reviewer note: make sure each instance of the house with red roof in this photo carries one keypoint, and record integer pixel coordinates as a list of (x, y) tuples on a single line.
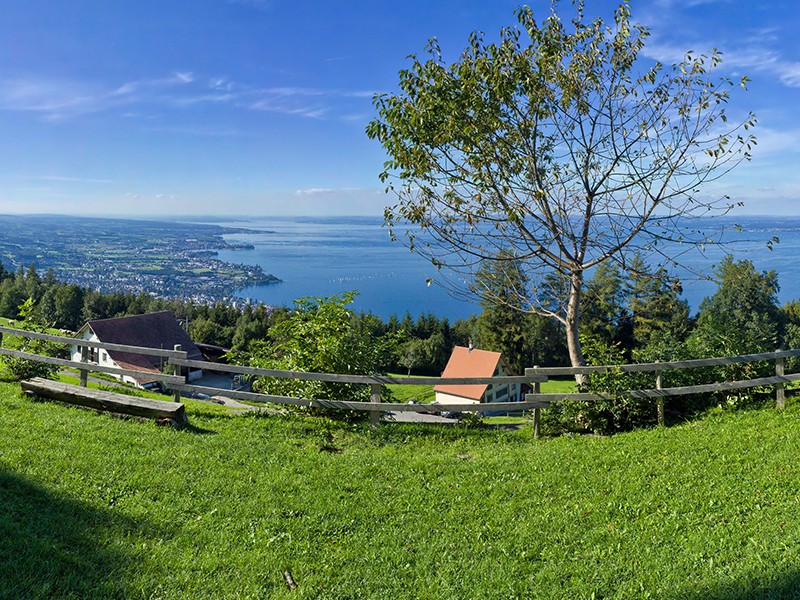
[(155, 330), (471, 362)]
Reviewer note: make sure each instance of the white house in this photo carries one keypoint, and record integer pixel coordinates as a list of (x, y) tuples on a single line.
[(470, 362), (155, 330)]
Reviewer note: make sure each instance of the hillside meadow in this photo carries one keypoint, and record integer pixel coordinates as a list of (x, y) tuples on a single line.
[(99, 507)]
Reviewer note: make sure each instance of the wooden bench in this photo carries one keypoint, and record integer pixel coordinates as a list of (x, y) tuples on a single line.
[(107, 401)]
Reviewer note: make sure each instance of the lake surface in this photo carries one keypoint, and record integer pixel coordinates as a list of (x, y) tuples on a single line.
[(328, 255)]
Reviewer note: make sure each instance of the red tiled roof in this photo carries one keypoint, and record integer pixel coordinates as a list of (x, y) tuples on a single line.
[(469, 363)]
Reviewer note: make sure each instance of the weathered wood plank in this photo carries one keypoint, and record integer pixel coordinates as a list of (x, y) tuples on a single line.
[(63, 362), (665, 366), (780, 388), (366, 379), (710, 387), (541, 401), (60, 339), (104, 400)]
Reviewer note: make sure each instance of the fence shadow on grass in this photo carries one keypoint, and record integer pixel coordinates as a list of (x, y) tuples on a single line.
[(56, 547)]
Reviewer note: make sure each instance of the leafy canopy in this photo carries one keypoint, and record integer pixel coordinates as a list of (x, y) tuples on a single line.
[(319, 336), (559, 146)]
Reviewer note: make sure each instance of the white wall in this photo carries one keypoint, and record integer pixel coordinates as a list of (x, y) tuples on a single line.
[(443, 398)]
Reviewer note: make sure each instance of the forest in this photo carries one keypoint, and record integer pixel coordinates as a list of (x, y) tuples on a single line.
[(637, 316)]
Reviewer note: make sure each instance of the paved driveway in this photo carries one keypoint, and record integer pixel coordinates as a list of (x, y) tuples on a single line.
[(416, 417)]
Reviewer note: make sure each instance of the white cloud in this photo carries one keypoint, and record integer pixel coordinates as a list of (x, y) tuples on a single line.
[(73, 179), (678, 4), (772, 142), (61, 99), (47, 96), (327, 191), (202, 131), (184, 77), (314, 191)]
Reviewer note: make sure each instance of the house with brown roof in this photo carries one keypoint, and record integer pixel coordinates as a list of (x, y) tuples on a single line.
[(155, 330), (471, 362)]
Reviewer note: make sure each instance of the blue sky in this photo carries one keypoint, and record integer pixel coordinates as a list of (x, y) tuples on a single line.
[(259, 106)]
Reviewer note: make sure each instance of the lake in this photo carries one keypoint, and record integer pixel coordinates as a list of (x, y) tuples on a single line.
[(320, 256)]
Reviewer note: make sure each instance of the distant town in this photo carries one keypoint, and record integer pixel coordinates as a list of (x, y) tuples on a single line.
[(169, 260)]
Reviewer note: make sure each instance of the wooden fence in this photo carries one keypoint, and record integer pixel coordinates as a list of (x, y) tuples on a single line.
[(534, 399)]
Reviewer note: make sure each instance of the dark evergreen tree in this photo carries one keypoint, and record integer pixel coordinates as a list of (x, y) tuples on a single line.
[(502, 325), (604, 315), (655, 303)]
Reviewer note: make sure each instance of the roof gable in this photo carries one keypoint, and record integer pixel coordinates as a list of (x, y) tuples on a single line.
[(154, 330), (466, 362)]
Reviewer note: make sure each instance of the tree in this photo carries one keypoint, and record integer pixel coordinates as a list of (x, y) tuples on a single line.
[(742, 317), (603, 313), (411, 354), (655, 304), (501, 325), (320, 336), (560, 148), (68, 306)]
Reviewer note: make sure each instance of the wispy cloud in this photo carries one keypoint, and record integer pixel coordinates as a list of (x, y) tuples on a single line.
[(73, 179), (754, 51), (749, 59), (326, 191), (774, 142), (676, 4), (57, 100), (200, 131)]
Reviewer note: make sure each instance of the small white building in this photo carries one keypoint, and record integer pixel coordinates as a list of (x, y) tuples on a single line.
[(155, 330), (470, 362)]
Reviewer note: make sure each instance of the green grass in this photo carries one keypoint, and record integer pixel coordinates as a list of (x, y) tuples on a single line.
[(419, 392), (424, 393), (559, 386), (97, 507)]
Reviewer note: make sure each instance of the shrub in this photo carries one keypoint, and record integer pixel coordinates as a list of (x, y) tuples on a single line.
[(22, 368)]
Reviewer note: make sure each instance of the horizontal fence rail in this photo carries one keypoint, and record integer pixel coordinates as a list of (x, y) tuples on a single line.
[(534, 400), (369, 406), (85, 367), (366, 379), (71, 364), (71, 341), (664, 366)]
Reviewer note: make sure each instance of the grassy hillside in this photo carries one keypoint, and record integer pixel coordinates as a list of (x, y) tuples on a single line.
[(92, 506)]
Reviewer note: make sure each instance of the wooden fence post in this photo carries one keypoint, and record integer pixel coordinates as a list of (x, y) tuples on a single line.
[(780, 388), (537, 414), (176, 370), (84, 373), (659, 384), (375, 396)]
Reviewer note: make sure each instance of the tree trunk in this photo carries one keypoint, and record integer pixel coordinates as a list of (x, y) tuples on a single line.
[(576, 358)]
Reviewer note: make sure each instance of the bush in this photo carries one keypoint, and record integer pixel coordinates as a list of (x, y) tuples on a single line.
[(22, 368), (320, 336)]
